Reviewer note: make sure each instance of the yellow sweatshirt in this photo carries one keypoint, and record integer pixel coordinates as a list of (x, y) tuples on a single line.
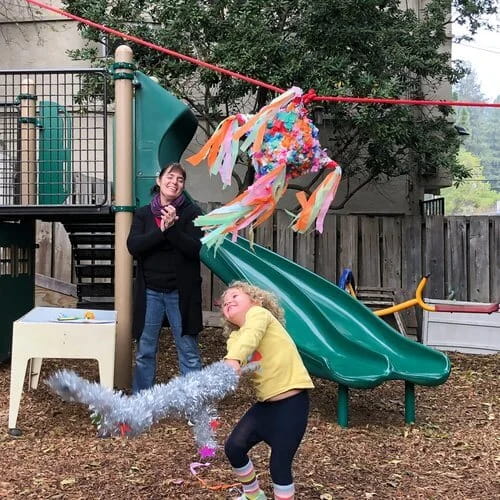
[(263, 338)]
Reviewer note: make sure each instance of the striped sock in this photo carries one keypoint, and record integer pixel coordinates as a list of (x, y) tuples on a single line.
[(283, 492), (246, 475)]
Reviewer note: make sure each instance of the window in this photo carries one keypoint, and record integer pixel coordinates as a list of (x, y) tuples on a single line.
[(5, 261)]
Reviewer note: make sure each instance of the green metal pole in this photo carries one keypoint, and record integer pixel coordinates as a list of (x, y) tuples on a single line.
[(409, 402), (343, 406)]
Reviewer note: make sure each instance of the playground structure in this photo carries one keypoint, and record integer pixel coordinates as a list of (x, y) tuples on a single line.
[(338, 337)]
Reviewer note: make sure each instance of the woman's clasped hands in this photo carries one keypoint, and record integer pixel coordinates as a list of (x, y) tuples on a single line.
[(168, 217)]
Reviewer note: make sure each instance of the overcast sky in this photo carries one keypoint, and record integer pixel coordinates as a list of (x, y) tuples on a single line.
[(483, 53)]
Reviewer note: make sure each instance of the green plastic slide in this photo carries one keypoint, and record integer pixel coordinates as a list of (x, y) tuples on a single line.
[(338, 337), (163, 127)]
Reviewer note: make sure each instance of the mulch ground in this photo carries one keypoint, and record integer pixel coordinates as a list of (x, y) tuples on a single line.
[(453, 451)]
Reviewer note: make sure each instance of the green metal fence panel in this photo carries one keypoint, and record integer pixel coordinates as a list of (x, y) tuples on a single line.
[(17, 277)]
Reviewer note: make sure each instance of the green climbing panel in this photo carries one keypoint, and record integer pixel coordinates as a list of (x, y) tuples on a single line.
[(54, 153)]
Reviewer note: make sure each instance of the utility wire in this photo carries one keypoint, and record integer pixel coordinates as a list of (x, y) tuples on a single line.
[(477, 48)]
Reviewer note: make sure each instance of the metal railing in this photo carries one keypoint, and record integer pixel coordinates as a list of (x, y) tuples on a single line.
[(9, 151), (53, 138), (433, 207)]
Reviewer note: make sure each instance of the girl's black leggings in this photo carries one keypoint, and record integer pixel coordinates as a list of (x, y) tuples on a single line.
[(280, 424)]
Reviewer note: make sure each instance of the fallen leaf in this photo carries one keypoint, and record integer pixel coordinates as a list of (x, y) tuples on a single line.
[(453, 475), (67, 482)]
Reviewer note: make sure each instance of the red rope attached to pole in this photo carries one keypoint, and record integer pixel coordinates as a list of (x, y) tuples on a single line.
[(153, 46), (253, 81)]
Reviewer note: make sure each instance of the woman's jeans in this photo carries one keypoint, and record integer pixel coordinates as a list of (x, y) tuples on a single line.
[(157, 305)]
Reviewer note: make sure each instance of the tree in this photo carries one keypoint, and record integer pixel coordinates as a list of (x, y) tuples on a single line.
[(338, 47), (483, 125), (11, 12), (491, 161), (473, 196)]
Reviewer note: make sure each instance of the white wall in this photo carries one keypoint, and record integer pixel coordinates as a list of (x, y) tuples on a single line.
[(35, 38)]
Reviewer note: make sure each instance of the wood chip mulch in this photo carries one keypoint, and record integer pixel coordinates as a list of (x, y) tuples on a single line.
[(452, 452)]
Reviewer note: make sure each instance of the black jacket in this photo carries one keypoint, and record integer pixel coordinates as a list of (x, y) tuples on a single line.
[(145, 237)]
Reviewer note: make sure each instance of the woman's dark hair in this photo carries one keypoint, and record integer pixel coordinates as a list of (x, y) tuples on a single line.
[(171, 167)]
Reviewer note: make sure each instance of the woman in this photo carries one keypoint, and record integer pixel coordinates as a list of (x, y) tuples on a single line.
[(167, 247)]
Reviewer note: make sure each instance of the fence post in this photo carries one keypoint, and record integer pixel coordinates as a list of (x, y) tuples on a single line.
[(27, 104), (123, 215)]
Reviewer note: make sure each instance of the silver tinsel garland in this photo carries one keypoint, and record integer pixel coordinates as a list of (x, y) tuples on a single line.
[(192, 396)]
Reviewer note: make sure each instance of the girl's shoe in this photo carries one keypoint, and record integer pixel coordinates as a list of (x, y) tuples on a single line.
[(260, 496)]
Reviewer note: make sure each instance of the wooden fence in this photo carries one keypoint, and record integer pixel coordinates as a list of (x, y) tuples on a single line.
[(461, 253)]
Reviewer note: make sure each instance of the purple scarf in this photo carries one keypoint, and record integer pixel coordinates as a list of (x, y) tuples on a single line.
[(156, 205)]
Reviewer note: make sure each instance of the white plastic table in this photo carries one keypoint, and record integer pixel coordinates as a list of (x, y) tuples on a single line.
[(38, 334)]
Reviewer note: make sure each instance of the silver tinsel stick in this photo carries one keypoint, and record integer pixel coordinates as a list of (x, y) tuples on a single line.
[(192, 396)]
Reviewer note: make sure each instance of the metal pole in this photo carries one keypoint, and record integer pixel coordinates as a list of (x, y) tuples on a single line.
[(27, 101), (123, 220), (343, 405), (409, 402)]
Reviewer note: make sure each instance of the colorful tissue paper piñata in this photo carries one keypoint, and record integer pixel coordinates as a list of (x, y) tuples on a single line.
[(283, 144)]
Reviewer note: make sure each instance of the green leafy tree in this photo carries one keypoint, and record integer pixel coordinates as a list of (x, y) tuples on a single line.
[(474, 196), (338, 47), (483, 126), (491, 160)]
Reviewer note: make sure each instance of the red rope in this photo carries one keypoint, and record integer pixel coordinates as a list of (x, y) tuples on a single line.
[(150, 45), (253, 81), (410, 102)]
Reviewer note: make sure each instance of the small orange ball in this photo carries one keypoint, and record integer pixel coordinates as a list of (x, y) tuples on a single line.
[(89, 315)]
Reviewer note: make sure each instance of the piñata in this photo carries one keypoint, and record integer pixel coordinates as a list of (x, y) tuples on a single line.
[(282, 142)]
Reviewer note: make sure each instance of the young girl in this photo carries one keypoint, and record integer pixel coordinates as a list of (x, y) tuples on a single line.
[(279, 418)]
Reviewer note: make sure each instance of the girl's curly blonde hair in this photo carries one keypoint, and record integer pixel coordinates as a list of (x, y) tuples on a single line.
[(266, 299)]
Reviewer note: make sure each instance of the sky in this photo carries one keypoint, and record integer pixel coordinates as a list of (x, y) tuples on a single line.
[(483, 53)]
